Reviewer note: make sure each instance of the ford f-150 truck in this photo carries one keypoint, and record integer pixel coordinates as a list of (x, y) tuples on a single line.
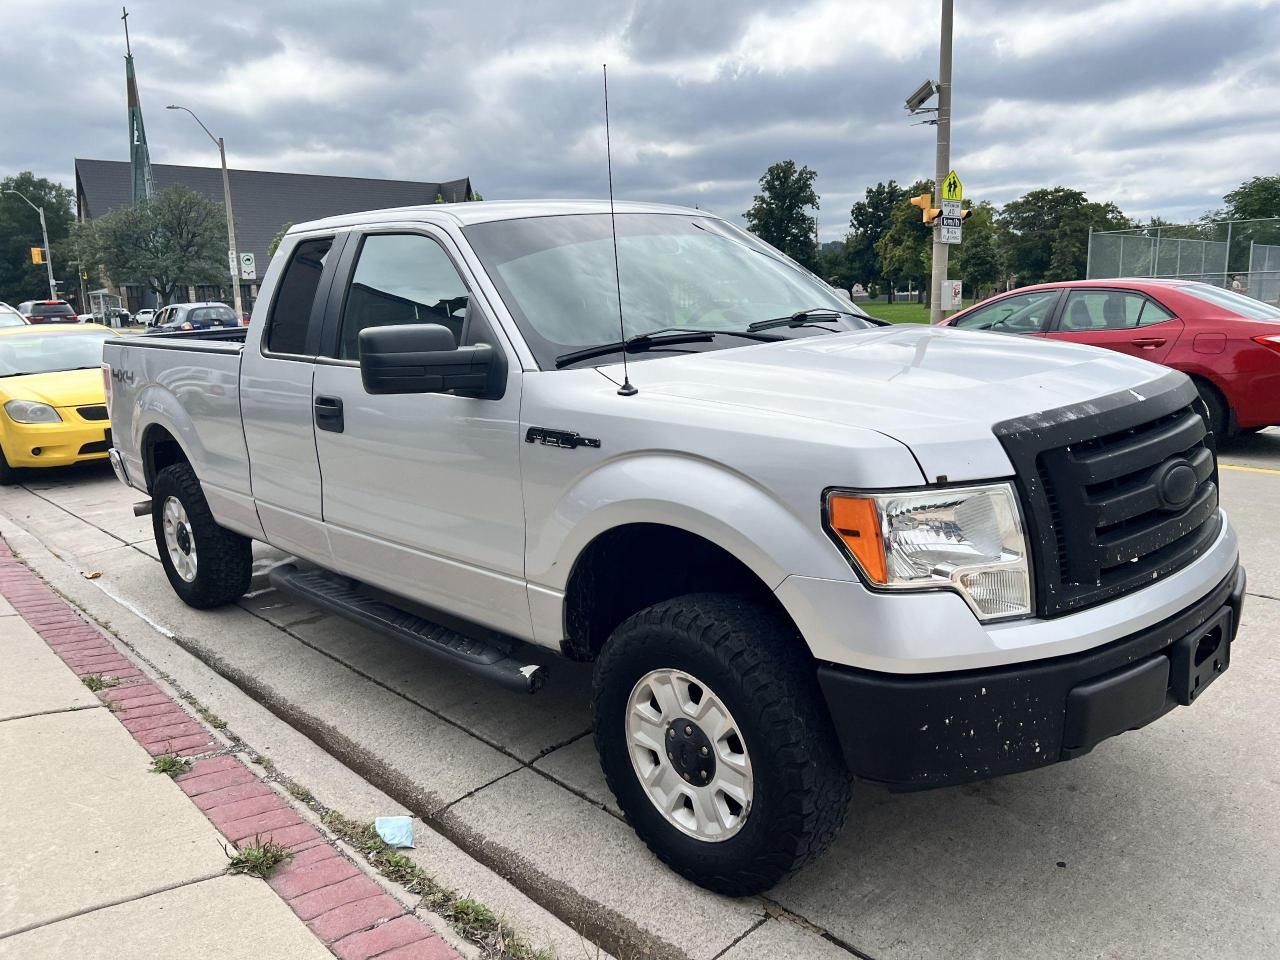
[(801, 546)]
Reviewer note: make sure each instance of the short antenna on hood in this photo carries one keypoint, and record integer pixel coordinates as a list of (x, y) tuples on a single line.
[(627, 389)]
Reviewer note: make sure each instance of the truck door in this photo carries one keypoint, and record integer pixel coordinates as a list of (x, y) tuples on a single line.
[(1122, 320), (422, 491), (275, 401)]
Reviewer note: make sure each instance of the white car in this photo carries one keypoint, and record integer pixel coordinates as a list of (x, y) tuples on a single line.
[(144, 316), (800, 545)]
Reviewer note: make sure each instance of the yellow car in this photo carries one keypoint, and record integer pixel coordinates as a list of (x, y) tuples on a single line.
[(53, 405)]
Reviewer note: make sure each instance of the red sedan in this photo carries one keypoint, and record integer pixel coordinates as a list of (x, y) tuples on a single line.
[(1229, 344)]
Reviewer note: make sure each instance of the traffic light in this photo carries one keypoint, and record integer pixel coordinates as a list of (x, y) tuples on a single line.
[(964, 214), (37, 254), (929, 212)]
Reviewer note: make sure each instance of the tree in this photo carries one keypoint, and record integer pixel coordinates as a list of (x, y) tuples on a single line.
[(178, 237), (1044, 235), (977, 259), (274, 245), (906, 248), (868, 221), (20, 279), (779, 214), (1255, 199)]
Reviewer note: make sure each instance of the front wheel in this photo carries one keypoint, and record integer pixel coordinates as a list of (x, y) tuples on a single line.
[(207, 565), (715, 740)]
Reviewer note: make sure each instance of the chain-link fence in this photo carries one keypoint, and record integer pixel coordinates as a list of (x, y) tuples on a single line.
[(1242, 255)]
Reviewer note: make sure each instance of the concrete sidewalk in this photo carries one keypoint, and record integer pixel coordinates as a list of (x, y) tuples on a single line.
[(102, 857)]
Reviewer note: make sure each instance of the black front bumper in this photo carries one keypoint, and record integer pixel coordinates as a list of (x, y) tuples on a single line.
[(930, 730)]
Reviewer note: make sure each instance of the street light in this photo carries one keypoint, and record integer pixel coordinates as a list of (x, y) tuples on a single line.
[(44, 232), (226, 199)]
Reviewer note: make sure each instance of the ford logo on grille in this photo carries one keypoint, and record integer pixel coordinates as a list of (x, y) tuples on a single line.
[(1175, 483)]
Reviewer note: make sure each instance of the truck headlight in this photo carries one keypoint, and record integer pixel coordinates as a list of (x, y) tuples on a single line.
[(966, 539), (30, 411)]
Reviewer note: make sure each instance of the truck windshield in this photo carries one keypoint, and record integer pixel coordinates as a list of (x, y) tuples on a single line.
[(24, 353), (556, 275)]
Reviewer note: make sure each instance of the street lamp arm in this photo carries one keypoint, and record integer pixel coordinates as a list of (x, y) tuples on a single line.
[(19, 193), (174, 106)]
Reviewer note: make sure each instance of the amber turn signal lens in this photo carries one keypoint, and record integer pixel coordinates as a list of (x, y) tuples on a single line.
[(857, 523)]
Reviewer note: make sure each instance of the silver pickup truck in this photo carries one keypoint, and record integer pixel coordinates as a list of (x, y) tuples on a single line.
[(801, 546)]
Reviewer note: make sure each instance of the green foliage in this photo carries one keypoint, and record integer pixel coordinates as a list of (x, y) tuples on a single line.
[(169, 764), (779, 214), (868, 222), (274, 245), (258, 859), (1255, 199), (177, 237), (20, 279), (475, 196), (95, 682), (976, 262), (1044, 235), (906, 247)]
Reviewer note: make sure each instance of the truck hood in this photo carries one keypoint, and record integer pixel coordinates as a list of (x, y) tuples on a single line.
[(935, 389)]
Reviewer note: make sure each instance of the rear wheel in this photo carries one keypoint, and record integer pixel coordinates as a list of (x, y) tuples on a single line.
[(1219, 412), (207, 565), (715, 740)]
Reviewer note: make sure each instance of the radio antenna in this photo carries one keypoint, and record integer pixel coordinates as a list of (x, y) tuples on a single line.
[(627, 389)]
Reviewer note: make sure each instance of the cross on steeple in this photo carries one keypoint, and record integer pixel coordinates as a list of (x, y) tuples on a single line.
[(125, 17)]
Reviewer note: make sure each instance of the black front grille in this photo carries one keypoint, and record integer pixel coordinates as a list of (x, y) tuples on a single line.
[(1118, 492), (98, 412)]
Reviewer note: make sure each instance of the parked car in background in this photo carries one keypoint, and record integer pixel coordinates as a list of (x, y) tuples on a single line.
[(47, 311), (1228, 343), (145, 316), (52, 397), (194, 316), (10, 317)]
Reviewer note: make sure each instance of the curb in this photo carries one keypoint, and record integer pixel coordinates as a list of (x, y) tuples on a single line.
[(350, 912)]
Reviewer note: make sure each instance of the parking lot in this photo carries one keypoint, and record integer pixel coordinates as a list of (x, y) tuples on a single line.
[(1163, 842)]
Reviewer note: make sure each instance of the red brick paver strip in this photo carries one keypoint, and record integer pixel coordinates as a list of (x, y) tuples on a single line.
[(346, 909)]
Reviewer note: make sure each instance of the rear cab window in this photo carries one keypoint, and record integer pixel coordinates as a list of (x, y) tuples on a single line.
[(52, 310), (289, 327)]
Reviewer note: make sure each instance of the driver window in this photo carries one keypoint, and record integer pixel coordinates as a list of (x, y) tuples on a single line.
[(401, 278), (1021, 313)]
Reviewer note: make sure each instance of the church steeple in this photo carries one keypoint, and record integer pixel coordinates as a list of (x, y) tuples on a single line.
[(139, 155)]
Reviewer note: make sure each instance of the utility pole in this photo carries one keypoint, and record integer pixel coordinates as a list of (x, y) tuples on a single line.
[(44, 233), (942, 163), (232, 254)]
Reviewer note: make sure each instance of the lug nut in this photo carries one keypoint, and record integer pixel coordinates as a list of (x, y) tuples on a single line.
[(703, 751), (672, 733), (688, 730)]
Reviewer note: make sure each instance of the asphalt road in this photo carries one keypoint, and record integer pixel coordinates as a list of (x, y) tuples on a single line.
[(1163, 842)]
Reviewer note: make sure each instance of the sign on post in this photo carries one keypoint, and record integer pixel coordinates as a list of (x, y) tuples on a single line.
[(951, 295), (248, 268), (950, 234), (952, 188), (37, 254)]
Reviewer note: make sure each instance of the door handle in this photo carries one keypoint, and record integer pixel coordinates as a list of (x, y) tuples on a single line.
[(1149, 343), (328, 412)]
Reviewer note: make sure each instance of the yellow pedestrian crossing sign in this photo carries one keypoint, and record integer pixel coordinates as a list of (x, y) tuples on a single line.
[(952, 188)]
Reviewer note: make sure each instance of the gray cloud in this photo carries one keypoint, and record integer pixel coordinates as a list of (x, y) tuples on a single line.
[(1160, 105)]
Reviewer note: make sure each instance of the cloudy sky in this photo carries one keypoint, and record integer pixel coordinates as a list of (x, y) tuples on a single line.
[(1159, 105)]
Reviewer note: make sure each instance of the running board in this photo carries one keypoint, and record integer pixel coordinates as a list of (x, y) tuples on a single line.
[(490, 659)]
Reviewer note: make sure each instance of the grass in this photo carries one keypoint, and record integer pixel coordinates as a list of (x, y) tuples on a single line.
[(96, 682), (258, 859), (899, 312), (169, 764), (474, 921)]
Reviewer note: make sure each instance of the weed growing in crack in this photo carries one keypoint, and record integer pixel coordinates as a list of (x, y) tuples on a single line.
[(472, 920), (258, 859), (298, 791), (96, 682), (169, 764)]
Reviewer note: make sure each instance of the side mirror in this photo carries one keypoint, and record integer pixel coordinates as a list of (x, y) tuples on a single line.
[(422, 358)]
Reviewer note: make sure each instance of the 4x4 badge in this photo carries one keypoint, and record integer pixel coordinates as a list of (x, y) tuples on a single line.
[(565, 439)]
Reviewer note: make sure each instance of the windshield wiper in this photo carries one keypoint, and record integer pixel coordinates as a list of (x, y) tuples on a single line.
[(667, 336), (804, 318)]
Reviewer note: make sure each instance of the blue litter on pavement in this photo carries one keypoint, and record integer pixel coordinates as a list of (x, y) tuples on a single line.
[(396, 831)]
